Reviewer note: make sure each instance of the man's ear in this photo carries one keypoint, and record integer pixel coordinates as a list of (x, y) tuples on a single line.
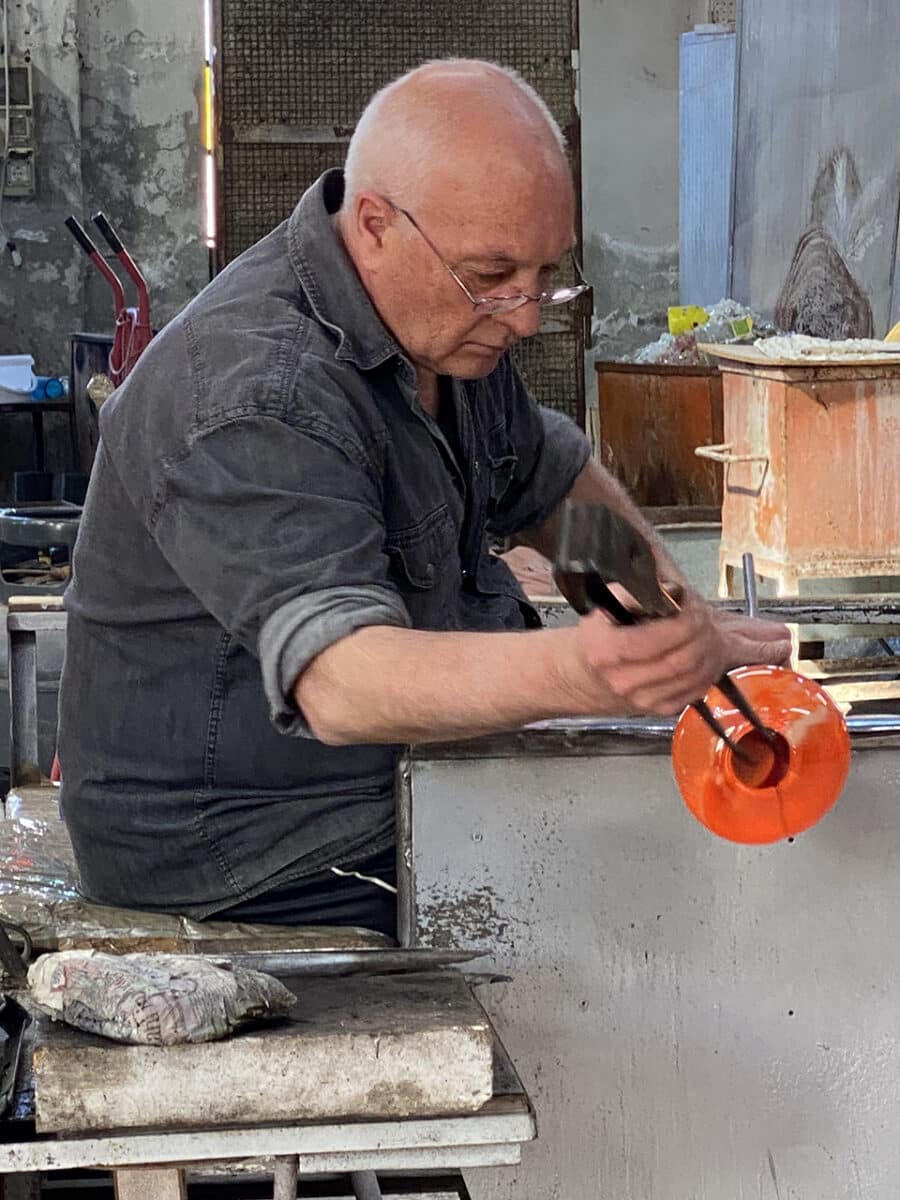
[(372, 217)]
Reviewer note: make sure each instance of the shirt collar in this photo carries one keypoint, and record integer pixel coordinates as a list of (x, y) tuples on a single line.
[(329, 279)]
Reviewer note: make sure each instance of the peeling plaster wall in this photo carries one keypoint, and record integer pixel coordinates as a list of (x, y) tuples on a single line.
[(629, 91), (41, 302), (117, 127), (140, 102)]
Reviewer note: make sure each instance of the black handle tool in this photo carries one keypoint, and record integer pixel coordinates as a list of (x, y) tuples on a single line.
[(597, 547)]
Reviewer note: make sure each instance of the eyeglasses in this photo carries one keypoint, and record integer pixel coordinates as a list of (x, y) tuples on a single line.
[(501, 304)]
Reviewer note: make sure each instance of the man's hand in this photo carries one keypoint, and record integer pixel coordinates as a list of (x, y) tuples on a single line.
[(662, 666), (753, 640)]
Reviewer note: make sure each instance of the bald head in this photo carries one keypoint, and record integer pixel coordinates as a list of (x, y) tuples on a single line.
[(457, 169), (450, 125)]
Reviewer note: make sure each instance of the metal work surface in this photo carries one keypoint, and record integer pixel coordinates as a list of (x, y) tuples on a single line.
[(691, 1018), (294, 78)]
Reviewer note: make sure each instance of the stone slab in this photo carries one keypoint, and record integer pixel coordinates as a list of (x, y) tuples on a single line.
[(354, 1048)]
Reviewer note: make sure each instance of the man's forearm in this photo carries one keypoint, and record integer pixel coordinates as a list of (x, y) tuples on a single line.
[(388, 685), (383, 684)]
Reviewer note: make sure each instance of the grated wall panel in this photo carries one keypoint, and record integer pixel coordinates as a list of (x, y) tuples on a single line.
[(283, 60)]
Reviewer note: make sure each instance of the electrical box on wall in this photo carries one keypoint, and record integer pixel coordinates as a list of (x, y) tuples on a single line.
[(17, 128)]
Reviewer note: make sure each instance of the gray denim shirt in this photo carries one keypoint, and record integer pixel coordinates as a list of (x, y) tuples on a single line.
[(265, 484)]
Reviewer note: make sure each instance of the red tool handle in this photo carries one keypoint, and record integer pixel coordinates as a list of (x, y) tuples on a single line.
[(78, 233), (115, 244)]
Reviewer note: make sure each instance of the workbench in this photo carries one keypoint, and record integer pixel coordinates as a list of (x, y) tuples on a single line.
[(152, 1163)]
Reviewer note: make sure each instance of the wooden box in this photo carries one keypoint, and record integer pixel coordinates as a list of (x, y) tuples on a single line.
[(651, 419), (812, 472)]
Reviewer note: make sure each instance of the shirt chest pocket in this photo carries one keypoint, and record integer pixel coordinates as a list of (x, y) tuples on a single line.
[(423, 556), (502, 462)]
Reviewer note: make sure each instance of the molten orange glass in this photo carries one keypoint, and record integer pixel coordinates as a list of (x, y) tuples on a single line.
[(783, 786)]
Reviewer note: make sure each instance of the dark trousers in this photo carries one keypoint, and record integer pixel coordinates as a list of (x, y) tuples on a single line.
[(327, 899)]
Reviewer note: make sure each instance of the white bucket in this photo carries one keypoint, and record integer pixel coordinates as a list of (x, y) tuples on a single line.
[(17, 374)]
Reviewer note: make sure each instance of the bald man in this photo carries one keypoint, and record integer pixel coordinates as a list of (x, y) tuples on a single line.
[(283, 571)]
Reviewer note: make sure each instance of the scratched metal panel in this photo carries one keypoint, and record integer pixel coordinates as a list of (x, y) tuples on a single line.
[(706, 146), (811, 83), (294, 75), (680, 1008)]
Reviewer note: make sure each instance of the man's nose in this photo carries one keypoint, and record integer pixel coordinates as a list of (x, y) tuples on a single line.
[(523, 321)]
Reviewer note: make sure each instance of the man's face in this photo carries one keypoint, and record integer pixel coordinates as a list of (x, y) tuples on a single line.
[(500, 242)]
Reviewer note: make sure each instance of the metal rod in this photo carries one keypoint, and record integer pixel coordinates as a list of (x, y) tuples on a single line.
[(750, 594), (286, 963), (732, 692), (726, 684), (865, 609), (860, 725), (703, 709)]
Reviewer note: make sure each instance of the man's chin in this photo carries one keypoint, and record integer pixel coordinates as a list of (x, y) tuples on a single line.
[(473, 361)]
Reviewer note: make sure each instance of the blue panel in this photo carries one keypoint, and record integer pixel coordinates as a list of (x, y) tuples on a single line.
[(706, 119)]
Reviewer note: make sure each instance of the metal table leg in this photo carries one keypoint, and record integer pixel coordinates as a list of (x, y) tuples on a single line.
[(365, 1185), (286, 1175), (23, 707), (37, 421)]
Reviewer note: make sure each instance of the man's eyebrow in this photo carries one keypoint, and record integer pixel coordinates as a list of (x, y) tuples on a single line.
[(501, 259), (490, 258)]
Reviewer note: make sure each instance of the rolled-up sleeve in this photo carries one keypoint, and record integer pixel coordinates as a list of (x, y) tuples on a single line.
[(279, 532), (550, 451)]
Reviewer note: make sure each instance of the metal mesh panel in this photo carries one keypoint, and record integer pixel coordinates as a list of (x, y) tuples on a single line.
[(546, 365), (302, 61), (294, 75), (262, 183)]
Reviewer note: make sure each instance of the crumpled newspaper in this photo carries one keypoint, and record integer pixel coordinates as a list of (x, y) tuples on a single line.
[(153, 999)]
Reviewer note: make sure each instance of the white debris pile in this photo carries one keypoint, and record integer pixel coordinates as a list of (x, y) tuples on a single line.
[(800, 347), (728, 322)]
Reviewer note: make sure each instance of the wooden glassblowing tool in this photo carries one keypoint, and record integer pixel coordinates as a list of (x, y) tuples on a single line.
[(598, 547)]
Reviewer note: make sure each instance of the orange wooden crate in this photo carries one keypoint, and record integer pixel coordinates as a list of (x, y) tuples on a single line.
[(812, 472)]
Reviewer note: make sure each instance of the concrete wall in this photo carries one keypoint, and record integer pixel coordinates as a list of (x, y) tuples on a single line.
[(629, 88), (117, 127)]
